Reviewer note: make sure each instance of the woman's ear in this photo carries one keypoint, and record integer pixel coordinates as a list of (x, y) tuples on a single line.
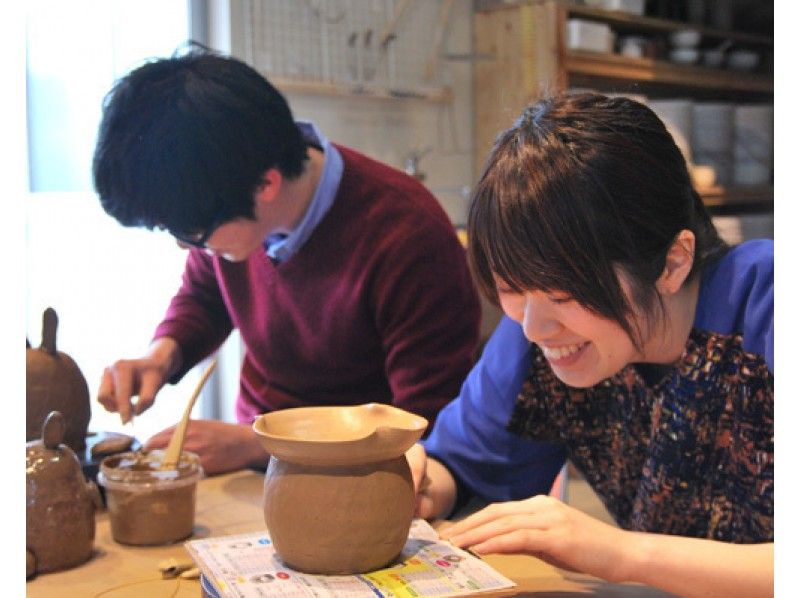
[(271, 182), (679, 262)]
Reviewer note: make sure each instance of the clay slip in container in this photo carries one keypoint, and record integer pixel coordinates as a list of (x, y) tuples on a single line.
[(148, 506)]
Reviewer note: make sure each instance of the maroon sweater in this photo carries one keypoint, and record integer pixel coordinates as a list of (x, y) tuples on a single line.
[(378, 305)]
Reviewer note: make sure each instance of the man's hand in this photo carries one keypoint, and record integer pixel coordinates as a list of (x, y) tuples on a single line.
[(142, 377), (222, 447)]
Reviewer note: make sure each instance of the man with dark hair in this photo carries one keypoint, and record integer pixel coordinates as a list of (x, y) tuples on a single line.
[(344, 276)]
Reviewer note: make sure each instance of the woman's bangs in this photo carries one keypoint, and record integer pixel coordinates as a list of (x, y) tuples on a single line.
[(516, 244)]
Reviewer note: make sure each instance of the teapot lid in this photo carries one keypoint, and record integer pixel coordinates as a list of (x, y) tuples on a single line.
[(50, 454)]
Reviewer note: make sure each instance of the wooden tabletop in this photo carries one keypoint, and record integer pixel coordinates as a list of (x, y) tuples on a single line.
[(231, 504)]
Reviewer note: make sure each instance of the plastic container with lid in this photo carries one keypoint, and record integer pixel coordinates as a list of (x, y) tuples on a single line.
[(147, 505)]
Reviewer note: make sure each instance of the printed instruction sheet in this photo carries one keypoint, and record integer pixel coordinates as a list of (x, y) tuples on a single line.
[(245, 565)]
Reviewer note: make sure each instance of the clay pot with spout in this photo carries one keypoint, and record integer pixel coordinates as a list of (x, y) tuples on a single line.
[(60, 503), (338, 492)]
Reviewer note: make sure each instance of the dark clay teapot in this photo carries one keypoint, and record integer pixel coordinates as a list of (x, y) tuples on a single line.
[(55, 383), (60, 503)]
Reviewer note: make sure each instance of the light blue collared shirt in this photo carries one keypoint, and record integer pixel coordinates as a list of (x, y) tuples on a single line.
[(281, 249)]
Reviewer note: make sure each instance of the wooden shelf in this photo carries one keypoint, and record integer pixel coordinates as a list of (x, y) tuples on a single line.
[(434, 94), (756, 196), (614, 66), (629, 22), (527, 42)]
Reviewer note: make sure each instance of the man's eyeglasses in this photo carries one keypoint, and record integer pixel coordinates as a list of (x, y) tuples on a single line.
[(200, 239)]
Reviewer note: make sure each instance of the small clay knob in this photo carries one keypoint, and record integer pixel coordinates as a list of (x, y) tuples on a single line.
[(49, 329), (53, 430)]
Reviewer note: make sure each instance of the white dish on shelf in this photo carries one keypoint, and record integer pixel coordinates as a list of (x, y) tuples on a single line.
[(633, 46), (743, 60), (684, 55), (589, 36), (713, 58), (635, 7), (684, 38)]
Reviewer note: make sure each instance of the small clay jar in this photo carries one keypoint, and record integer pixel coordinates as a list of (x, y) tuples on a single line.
[(338, 492), (60, 503), (149, 506)]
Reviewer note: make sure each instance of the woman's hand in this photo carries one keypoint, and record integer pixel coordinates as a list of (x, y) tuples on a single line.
[(221, 446), (546, 528), (418, 462), (434, 487)]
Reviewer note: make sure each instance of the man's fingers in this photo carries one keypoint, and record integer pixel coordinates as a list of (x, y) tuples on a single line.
[(122, 375), (106, 393), (149, 384)]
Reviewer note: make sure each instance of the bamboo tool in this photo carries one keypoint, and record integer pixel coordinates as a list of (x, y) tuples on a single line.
[(173, 453)]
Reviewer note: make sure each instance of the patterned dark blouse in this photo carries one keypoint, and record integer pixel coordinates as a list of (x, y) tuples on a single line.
[(691, 455)]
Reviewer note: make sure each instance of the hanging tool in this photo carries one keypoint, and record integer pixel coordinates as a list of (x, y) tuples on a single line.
[(388, 34), (352, 56), (368, 66), (438, 39)]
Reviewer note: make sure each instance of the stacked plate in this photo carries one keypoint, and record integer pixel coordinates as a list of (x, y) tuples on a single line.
[(712, 138), (677, 117), (753, 149), (684, 46)]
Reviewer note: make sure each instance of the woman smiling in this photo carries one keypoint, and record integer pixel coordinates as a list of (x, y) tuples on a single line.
[(637, 344)]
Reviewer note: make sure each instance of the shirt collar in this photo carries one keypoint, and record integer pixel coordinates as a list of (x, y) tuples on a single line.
[(280, 250)]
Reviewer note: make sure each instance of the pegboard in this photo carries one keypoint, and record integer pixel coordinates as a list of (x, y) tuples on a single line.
[(389, 44)]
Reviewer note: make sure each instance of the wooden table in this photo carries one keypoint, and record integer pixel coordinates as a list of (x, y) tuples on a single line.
[(231, 504)]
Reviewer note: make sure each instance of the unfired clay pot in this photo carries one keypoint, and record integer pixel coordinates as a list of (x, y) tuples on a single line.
[(60, 503), (338, 493), (54, 382)]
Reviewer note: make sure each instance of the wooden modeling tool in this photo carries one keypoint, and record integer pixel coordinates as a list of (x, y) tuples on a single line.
[(173, 452)]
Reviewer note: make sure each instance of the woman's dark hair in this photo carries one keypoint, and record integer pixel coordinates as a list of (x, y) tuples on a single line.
[(581, 187), (184, 142)]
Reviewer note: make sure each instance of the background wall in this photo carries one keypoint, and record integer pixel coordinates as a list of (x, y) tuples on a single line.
[(388, 129)]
